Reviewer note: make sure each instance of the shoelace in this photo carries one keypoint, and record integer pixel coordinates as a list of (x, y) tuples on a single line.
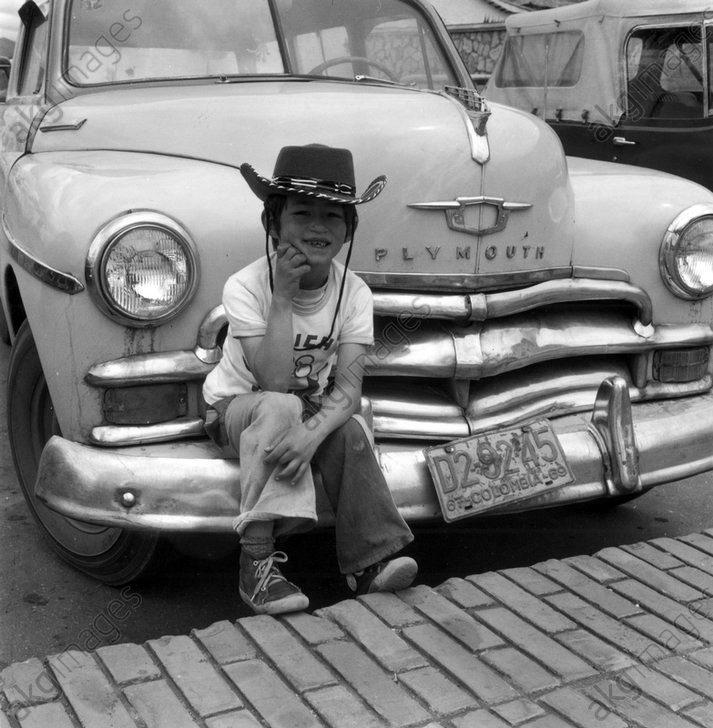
[(267, 570)]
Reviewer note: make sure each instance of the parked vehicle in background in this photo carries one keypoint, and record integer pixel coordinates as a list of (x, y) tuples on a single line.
[(528, 354), (619, 81)]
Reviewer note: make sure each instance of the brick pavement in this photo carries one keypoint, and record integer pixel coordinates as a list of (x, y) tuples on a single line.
[(621, 638)]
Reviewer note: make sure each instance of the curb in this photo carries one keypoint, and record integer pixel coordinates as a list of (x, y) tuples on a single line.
[(621, 638)]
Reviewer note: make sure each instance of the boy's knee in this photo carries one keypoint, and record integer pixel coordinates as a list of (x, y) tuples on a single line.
[(352, 435)]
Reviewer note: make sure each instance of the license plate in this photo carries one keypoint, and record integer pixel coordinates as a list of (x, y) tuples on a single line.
[(483, 472)]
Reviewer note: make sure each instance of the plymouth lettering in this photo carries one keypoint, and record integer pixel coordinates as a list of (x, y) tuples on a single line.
[(524, 252)]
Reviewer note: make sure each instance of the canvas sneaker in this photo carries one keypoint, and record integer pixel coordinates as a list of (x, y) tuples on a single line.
[(384, 576), (265, 589)]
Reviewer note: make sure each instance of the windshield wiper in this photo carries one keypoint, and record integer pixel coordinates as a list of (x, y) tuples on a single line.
[(361, 78)]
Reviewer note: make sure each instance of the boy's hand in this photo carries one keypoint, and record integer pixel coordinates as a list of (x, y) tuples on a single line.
[(290, 266), (292, 452)]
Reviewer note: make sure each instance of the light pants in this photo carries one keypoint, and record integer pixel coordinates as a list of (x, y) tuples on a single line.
[(368, 526)]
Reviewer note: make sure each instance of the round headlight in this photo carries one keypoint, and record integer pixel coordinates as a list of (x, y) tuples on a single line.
[(142, 268), (686, 257)]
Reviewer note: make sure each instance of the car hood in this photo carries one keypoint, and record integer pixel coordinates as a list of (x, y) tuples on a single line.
[(442, 213)]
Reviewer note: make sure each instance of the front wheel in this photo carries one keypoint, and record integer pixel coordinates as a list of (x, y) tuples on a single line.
[(111, 555)]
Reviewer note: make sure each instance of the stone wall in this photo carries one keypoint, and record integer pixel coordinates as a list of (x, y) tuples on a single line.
[(479, 47)]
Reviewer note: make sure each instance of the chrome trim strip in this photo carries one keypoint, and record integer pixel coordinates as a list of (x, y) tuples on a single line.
[(503, 345), (190, 487), (451, 282), (482, 306), (67, 126), (117, 435), (157, 368), (64, 282), (422, 348)]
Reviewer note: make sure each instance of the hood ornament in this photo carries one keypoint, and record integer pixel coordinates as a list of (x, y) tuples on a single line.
[(477, 113), (455, 212)]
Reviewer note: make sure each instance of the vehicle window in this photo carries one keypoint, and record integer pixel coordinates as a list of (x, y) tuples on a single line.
[(34, 55), (159, 39), (167, 39), (542, 59), (9, 26), (664, 70)]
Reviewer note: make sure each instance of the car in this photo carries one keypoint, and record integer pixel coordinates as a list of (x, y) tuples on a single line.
[(627, 82), (543, 323)]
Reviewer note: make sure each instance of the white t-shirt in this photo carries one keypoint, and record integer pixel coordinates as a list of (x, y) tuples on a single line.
[(247, 298)]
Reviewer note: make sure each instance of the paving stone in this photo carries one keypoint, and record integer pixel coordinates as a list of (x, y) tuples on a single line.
[(525, 604), (158, 706), (594, 650), (201, 684), (395, 612), (290, 656), (392, 652), (28, 683), (128, 662), (340, 708), (660, 687), (695, 677), (462, 664), (650, 575), (595, 568), (701, 714), (225, 642), (694, 577), (667, 608), (234, 719), (550, 721), (440, 694), (590, 590), (42, 716), (479, 719), (582, 710), (519, 711), (702, 541), (659, 558), (522, 671), (703, 657), (616, 632), (686, 552), (270, 696), (665, 637), (457, 622), (464, 593), (377, 687), (313, 630), (701, 608), (537, 644), (529, 579), (635, 707), (89, 691)]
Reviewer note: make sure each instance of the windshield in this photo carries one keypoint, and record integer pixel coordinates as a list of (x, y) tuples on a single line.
[(164, 39)]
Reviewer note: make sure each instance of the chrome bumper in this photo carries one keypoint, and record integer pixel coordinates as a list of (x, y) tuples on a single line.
[(188, 486)]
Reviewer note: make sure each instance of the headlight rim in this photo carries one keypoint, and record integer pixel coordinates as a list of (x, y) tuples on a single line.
[(667, 252), (102, 244)]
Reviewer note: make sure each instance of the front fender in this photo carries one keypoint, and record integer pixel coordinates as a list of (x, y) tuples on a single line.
[(56, 203), (621, 215)]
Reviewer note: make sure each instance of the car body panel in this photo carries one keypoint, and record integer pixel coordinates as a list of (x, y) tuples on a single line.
[(510, 282)]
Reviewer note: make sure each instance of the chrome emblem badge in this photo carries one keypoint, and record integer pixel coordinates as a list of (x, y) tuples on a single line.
[(455, 212)]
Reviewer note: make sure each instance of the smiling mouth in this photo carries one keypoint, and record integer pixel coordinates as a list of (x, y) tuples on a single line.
[(317, 243)]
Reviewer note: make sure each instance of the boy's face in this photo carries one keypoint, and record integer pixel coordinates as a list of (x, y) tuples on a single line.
[(317, 228)]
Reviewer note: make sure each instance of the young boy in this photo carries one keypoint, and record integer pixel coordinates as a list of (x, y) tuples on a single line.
[(296, 318)]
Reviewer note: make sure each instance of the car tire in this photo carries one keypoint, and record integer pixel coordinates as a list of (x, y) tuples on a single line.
[(112, 555)]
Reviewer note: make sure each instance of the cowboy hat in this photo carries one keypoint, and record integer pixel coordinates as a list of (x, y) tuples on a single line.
[(313, 170)]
